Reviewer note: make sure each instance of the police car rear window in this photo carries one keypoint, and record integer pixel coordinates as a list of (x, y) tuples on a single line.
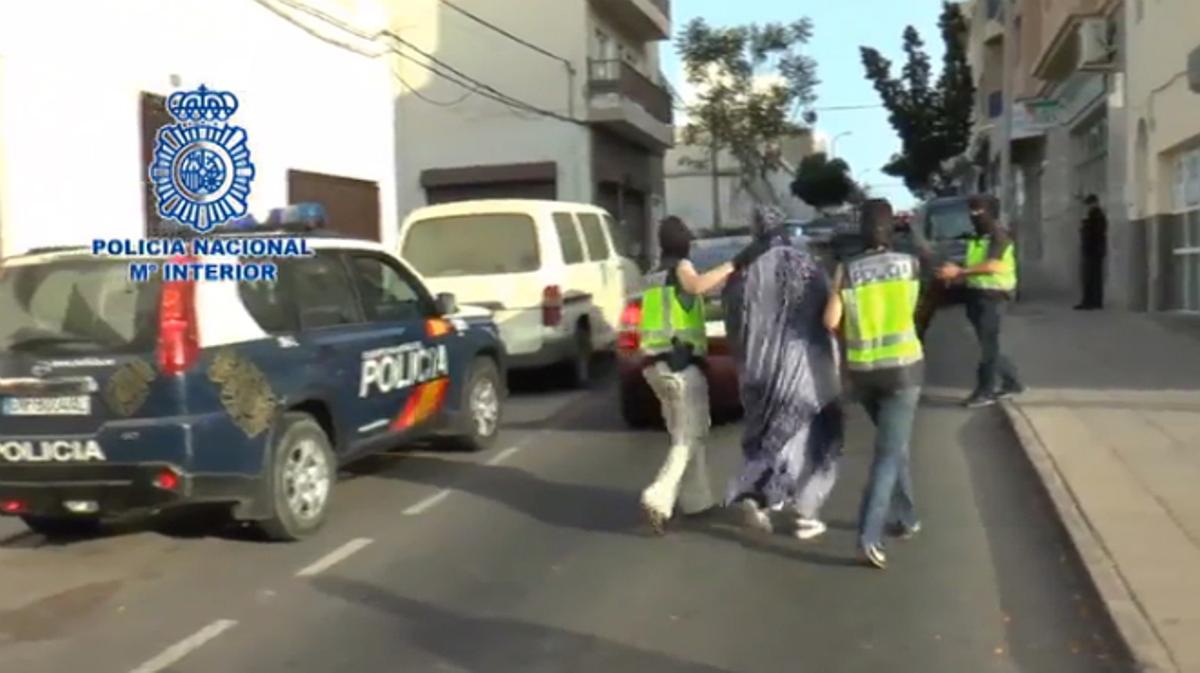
[(473, 245), (76, 305)]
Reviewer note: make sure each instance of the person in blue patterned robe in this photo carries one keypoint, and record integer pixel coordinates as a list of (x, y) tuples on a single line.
[(789, 384)]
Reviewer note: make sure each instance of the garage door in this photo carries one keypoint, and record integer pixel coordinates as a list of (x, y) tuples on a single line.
[(351, 206), (493, 190)]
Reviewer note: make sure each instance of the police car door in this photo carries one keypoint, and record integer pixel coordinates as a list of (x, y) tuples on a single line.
[(404, 364)]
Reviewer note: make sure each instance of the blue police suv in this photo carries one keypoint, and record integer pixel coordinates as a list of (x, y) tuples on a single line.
[(121, 396)]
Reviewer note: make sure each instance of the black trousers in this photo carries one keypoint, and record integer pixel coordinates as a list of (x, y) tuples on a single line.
[(1093, 281), (985, 313)]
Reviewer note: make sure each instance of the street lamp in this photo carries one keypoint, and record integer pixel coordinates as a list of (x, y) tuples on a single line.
[(833, 143)]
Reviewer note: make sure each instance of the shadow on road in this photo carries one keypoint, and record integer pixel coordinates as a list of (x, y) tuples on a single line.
[(1043, 585), (501, 644)]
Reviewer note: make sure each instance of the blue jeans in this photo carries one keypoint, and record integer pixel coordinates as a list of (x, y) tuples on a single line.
[(889, 490)]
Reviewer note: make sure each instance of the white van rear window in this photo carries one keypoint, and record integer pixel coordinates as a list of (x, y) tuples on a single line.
[(473, 245)]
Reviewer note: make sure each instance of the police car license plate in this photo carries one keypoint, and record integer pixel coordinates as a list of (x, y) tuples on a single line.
[(78, 405)]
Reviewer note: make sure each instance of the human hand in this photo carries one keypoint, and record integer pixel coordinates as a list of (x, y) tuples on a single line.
[(949, 272), (750, 253)]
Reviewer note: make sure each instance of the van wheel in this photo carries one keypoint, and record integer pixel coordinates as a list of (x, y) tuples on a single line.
[(63, 526), (580, 372), (302, 473), (482, 405)]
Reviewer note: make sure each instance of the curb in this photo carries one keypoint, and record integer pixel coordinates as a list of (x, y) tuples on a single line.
[(1149, 652)]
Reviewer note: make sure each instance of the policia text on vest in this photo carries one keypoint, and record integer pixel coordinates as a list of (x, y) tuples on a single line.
[(880, 297)]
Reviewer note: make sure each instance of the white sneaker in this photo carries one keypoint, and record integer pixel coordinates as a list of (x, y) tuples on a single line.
[(807, 529)]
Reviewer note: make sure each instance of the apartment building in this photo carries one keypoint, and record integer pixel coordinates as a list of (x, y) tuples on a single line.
[(690, 184), (538, 99), (1101, 106), (82, 96)]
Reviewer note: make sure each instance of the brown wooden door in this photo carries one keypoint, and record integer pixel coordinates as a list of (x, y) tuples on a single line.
[(351, 206)]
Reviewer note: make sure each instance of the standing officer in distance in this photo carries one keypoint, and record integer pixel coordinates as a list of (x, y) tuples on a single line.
[(991, 279), (875, 301)]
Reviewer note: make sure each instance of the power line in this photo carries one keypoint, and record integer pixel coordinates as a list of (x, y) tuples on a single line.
[(521, 41), (481, 88)]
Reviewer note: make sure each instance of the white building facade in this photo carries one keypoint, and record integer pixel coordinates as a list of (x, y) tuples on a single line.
[(584, 113), (80, 105)]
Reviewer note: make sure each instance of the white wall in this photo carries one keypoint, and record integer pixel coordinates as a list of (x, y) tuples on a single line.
[(453, 131), (70, 107)]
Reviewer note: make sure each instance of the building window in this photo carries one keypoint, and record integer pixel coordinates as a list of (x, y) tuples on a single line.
[(995, 104)]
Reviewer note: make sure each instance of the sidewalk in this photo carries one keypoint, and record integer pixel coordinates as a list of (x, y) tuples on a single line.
[(1112, 424)]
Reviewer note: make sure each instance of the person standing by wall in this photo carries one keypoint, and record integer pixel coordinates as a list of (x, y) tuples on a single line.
[(874, 301), (1093, 248), (991, 278)]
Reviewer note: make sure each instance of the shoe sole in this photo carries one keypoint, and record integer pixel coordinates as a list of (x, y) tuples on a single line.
[(656, 519), (980, 405), (809, 533), (874, 563)]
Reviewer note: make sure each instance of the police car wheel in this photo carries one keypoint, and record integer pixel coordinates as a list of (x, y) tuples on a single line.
[(62, 526), (482, 404), (303, 471)]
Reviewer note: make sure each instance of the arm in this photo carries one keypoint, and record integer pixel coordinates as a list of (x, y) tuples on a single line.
[(701, 283), (834, 308)]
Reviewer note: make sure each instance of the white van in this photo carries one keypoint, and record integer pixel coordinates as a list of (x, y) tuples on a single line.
[(555, 274)]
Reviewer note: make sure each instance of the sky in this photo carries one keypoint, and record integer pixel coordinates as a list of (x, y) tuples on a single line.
[(840, 27)]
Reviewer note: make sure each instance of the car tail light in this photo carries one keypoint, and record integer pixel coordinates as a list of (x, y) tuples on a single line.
[(552, 306), (12, 506), (631, 319), (178, 344), (167, 480)]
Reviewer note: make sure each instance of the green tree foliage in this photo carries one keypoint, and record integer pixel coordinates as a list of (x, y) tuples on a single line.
[(750, 81), (823, 183), (933, 119)]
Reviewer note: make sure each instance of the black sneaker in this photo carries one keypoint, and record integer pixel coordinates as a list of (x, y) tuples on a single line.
[(977, 400), (899, 530), (1010, 390)]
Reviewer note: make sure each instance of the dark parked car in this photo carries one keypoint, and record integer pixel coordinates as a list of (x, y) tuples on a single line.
[(639, 406)]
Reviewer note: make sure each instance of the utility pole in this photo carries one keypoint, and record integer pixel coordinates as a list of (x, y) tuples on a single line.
[(714, 165), (1007, 185)]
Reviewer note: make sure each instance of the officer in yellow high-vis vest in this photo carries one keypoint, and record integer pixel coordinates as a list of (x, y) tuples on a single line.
[(990, 273), (673, 342), (874, 303)]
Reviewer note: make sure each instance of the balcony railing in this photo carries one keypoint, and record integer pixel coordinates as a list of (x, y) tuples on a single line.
[(609, 76)]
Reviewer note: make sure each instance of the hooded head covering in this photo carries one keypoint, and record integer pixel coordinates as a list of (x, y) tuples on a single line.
[(767, 219)]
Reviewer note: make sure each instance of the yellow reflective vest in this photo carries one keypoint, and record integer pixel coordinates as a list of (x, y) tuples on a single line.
[(879, 293), (666, 320), (1002, 281)]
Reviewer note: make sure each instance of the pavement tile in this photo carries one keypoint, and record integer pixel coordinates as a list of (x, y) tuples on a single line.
[(1120, 418)]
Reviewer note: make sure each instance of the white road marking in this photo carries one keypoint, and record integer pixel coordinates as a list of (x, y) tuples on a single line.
[(427, 502), (185, 647), (336, 556), (503, 455), (375, 425), (441, 495)]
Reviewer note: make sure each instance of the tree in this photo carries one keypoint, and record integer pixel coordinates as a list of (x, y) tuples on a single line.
[(933, 121), (749, 80), (822, 183)]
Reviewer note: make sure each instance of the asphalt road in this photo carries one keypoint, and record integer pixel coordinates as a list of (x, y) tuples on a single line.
[(532, 557)]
